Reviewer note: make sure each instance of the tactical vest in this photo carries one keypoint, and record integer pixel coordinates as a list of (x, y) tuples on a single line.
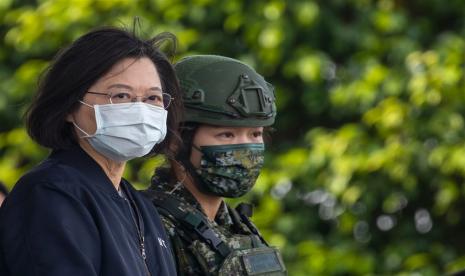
[(246, 253)]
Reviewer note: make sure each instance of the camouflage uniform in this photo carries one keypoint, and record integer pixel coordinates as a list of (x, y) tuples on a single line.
[(195, 256), (218, 91)]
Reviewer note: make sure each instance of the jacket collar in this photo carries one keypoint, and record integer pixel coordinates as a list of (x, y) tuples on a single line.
[(78, 159)]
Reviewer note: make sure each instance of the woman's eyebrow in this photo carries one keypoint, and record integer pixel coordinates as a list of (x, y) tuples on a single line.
[(120, 85), (155, 88), (128, 87)]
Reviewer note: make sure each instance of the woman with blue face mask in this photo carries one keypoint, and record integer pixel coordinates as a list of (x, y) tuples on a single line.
[(106, 99)]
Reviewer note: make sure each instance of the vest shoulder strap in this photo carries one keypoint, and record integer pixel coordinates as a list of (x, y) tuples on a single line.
[(244, 211), (194, 224)]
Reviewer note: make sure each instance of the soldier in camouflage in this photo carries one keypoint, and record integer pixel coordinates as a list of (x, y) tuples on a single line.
[(227, 107)]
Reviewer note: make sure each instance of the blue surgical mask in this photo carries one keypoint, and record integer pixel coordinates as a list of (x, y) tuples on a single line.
[(127, 130)]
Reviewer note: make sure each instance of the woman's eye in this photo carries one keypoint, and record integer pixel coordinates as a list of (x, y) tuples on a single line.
[(121, 95), (155, 98)]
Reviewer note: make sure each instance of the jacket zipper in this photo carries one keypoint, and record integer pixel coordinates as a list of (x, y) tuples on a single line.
[(139, 229)]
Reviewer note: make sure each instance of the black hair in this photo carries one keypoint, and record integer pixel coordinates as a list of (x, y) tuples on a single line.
[(179, 157), (187, 133), (79, 66)]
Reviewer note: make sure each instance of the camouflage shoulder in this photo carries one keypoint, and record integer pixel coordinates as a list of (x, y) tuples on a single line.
[(152, 194), (169, 224)]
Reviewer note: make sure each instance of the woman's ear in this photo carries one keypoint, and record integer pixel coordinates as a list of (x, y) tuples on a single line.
[(69, 118)]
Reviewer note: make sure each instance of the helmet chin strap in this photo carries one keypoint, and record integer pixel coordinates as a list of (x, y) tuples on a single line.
[(184, 159), (197, 148), (183, 156)]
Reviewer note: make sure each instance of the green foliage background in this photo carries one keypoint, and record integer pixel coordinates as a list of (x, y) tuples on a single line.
[(366, 172)]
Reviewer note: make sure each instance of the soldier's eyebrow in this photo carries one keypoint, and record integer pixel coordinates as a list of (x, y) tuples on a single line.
[(225, 127), (219, 128)]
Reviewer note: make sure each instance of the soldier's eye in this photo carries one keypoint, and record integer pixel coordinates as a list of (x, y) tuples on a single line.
[(257, 134), (226, 135)]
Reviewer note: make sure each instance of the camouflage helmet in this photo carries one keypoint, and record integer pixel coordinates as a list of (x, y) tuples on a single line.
[(223, 91)]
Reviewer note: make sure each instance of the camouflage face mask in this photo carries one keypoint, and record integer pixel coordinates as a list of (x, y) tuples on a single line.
[(230, 170)]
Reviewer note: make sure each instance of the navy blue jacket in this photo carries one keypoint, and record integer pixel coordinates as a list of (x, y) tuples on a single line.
[(66, 218)]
